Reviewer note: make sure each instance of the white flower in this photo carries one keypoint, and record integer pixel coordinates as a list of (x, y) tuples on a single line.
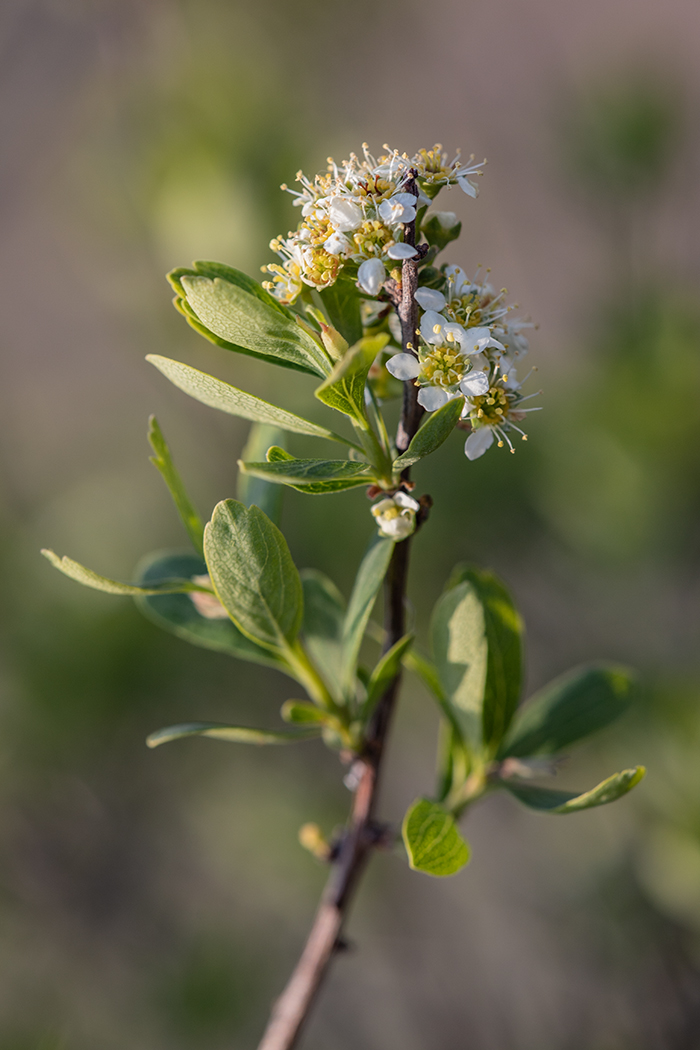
[(371, 276), (207, 605), (400, 250), (430, 299), (478, 442), (396, 516), (399, 208), (403, 366), (337, 244), (344, 214)]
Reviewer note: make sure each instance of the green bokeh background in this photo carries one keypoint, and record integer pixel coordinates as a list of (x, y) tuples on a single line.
[(158, 899)]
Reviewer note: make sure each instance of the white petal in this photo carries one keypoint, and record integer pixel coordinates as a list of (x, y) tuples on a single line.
[(344, 214), (477, 442), (430, 299), (455, 331), (475, 384), (475, 339), (403, 367), (408, 200), (432, 397), (404, 500), (469, 188), (428, 323), (401, 251), (337, 244), (371, 276)]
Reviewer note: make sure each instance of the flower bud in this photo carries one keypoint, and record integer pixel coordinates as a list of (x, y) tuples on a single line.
[(207, 605), (333, 341), (396, 516)]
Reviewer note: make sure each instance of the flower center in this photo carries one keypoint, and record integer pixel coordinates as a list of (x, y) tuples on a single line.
[(491, 409), (443, 366)]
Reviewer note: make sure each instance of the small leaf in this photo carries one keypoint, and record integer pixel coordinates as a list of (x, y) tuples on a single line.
[(433, 842), (364, 594), (322, 627), (341, 301), (250, 490), (344, 389), (226, 305), (253, 574), (385, 672), (235, 734), (217, 394), (568, 709), (551, 801), (314, 476), (80, 574), (162, 460), (437, 428), (301, 712), (178, 614)]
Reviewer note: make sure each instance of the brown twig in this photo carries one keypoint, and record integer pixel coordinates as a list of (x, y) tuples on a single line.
[(293, 1006)]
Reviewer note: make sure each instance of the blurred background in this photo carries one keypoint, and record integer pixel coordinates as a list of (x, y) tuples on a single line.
[(158, 899)]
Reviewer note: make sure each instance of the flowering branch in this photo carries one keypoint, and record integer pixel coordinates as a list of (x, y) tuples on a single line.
[(451, 352), (292, 1008)]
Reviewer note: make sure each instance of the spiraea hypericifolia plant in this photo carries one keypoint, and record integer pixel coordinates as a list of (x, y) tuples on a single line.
[(360, 302)]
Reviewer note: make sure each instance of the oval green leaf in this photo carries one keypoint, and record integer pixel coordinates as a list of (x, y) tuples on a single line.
[(253, 574), (433, 842)]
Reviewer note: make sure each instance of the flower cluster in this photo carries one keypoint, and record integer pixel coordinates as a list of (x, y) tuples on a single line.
[(468, 348), (355, 213)]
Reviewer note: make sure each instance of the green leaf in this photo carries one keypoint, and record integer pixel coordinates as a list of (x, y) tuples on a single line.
[(235, 734), (426, 670), (477, 644), (217, 394), (315, 476), (177, 613), (80, 574), (230, 306), (344, 389), (301, 712), (504, 635), (568, 801), (570, 708), (433, 842), (341, 302), (437, 428), (163, 461), (385, 672), (253, 574), (460, 651), (364, 594), (322, 627)]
